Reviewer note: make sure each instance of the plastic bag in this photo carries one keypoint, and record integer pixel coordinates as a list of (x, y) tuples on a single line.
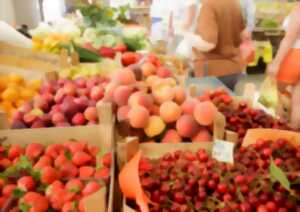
[(269, 93)]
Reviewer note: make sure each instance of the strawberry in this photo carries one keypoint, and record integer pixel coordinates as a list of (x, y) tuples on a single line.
[(102, 174), (86, 172), (61, 160), (120, 48), (15, 151), (81, 205), (81, 158), (2, 183), (5, 163), (68, 170), (60, 197), (3, 200), (49, 175), (43, 162), (26, 183), (16, 161), (34, 150), (107, 52), (51, 189), (69, 207), (75, 146), (93, 150), (91, 188), (7, 190), (74, 185), (55, 150), (106, 159), (36, 202)]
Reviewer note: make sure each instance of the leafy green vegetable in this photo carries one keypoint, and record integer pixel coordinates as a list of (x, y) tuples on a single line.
[(86, 55), (278, 175)]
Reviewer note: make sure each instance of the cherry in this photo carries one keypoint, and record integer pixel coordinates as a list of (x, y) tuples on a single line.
[(222, 188)]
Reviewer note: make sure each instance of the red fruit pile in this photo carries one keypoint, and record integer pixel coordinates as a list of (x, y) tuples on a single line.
[(187, 181), (62, 103), (56, 177), (242, 117)]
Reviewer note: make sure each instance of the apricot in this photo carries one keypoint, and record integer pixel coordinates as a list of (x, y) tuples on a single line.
[(91, 114), (155, 126), (138, 117), (10, 94), (170, 111), (186, 126), (14, 78), (148, 69), (189, 105), (27, 93), (205, 112), (140, 98), (163, 94), (202, 136), (172, 136), (125, 77), (151, 79), (180, 95), (122, 113), (121, 95)]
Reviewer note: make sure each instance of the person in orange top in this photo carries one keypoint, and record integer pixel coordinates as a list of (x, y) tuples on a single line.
[(286, 64), (220, 31)]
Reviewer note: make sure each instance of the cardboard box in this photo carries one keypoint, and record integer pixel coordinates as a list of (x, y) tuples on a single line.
[(99, 135)]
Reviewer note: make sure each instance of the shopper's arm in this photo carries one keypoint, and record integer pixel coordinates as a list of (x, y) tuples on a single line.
[(292, 34), (190, 16), (250, 16)]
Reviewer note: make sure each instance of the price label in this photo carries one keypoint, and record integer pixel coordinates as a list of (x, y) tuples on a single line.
[(223, 151)]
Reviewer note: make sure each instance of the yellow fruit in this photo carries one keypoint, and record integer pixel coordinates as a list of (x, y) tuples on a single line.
[(155, 126), (6, 106), (10, 94), (3, 82), (35, 84), (19, 103), (14, 78), (27, 93)]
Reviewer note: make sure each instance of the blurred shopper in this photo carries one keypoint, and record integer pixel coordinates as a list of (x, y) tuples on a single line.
[(219, 30), (286, 65), (249, 11)]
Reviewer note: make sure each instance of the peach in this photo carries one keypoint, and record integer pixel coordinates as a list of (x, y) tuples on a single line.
[(189, 105), (164, 72), (151, 79), (125, 77), (91, 114), (58, 117), (154, 109), (122, 113), (148, 69), (180, 95), (140, 98), (70, 89), (155, 126), (170, 111), (186, 126), (97, 93), (163, 94), (78, 119), (205, 112), (138, 117), (202, 136), (121, 95), (171, 136)]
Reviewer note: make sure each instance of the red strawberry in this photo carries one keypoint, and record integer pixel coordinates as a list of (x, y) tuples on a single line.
[(107, 52), (15, 151), (5, 163), (43, 162), (68, 170), (49, 175), (81, 205), (102, 174), (55, 150), (7, 190), (60, 197), (26, 183), (93, 150), (121, 48), (36, 202), (51, 189), (16, 161), (106, 160), (3, 200), (69, 207), (61, 160), (81, 158), (74, 185), (34, 150), (75, 146), (2, 183), (91, 188), (86, 172)]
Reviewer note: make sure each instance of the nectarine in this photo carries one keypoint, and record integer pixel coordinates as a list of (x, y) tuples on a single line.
[(186, 126), (169, 111), (205, 112), (155, 126), (171, 136), (138, 117)]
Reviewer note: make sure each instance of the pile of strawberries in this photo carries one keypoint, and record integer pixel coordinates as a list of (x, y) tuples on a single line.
[(57, 177)]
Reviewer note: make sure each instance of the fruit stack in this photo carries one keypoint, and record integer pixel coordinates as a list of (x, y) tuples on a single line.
[(14, 91), (240, 116), (157, 107), (62, 103), (264, 177)]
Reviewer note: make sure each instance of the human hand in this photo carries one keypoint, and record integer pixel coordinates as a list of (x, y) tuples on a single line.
[(246, 35), (273, 68)]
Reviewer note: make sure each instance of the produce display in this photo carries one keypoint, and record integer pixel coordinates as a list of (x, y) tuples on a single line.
[(157, 107), (241, 117), (264, 177), (57, 177), (14, 91), (62, 103)]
